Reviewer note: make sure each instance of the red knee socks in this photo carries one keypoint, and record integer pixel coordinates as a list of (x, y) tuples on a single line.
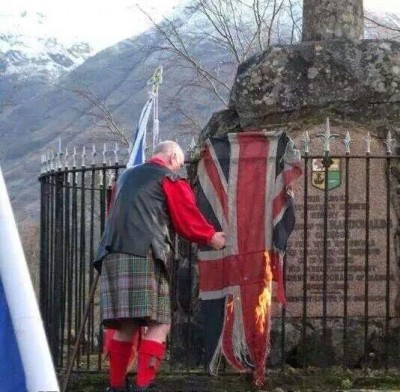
[(120, 353), (150, 354)]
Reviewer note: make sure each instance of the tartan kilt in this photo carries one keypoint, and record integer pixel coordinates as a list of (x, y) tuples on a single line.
[(134, 288)]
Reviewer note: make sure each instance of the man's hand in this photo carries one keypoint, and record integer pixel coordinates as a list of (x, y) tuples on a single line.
[(218, 240)]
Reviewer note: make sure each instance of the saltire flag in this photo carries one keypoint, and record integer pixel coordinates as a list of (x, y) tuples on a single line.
[(25, 360), (137, 157), (244, 189), (138, 149)]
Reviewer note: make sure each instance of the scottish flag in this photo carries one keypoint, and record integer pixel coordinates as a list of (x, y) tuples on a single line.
[(138, 150), (25, 361), (10, 363)]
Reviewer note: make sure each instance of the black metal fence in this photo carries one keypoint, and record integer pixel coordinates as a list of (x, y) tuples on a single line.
[(340, 270)]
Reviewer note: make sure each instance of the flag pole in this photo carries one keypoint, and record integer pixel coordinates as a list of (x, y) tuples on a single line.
[(154, 83), (32, 343)]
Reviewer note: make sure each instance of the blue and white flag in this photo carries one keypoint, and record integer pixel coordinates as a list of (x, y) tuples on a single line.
[(25, 360), (138, 150)]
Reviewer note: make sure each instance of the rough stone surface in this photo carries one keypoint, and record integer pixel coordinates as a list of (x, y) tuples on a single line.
[(337, 271), (292, 85), (221, 123), (327, 19)]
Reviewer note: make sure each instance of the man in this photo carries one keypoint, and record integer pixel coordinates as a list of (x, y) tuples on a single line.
[(133, 257)]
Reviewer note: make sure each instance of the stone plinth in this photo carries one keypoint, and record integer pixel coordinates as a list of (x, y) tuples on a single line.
[(358, 295), (305, 83), (338, 19)]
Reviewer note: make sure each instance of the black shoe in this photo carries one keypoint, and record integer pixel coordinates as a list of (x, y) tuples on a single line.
[(111, 389)]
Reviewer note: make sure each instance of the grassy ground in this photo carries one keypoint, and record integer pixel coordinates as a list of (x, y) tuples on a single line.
[(289, 379)]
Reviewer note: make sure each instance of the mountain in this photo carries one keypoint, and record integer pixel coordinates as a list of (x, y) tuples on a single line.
[(116, 76), (31, 59)]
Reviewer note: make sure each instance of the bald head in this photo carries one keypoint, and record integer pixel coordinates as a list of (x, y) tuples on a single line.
[(166, 147), (171, 153)]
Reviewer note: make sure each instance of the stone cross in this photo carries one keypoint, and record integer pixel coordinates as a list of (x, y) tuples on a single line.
[(332, 19)]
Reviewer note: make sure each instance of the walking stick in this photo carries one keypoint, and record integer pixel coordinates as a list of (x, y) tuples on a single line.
[(80, 333)]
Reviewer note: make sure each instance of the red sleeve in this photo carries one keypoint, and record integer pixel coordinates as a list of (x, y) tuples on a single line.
[(186, 218)]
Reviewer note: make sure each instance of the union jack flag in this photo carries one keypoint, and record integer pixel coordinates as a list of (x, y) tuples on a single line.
[(244, 190)]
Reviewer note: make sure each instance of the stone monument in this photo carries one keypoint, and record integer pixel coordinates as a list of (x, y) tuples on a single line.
[(356, 83)]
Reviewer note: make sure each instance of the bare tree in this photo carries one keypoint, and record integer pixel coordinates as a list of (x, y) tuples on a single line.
[(382, 26), (102, 115), (237, 28)]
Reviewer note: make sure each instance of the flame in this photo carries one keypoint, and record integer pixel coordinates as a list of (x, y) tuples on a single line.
[(229, 306), (265, 298)]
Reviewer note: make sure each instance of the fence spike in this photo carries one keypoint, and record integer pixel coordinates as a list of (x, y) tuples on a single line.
[(347, 142), (192, 144), (53, 160), (104, 154), (389, 143), (306, 142), (101, 178), (59, 159), (42, 167), (74, 158), (116, 151), (368, 141), (327, 136), (66, 160), (83, 156), (94, 153), (48, 161)]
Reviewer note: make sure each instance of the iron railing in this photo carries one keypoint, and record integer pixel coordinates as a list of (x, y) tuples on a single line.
[(73, 212)]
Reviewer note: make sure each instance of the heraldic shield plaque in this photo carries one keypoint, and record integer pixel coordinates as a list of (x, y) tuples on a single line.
[(318, 174)]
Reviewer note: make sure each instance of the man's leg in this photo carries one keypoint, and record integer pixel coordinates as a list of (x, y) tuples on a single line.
[(120, 352), (151, 352)]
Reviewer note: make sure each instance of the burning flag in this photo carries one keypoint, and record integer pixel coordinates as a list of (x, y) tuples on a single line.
[(244, 181)]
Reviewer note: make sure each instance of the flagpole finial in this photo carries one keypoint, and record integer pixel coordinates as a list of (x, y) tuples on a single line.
[(155, 81), (192, 144)]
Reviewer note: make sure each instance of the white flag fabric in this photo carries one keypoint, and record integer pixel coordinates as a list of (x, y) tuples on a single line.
[(25, 360)]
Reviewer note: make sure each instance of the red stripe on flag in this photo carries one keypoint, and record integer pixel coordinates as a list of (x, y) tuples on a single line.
[(231, 271), (251, 223), (215, 179), (279, 203), (250, 202), (227, 335), (292, 174)]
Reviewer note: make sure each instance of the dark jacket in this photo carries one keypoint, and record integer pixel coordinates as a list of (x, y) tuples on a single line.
[(138, 220)]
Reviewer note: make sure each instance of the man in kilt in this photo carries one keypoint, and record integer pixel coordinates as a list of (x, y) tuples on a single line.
[(133, 258)]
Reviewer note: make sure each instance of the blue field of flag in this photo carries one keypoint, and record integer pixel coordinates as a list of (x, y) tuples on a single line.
[(12, 376)]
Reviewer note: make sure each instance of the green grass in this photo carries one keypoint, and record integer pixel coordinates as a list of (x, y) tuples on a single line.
[(288, 379)]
